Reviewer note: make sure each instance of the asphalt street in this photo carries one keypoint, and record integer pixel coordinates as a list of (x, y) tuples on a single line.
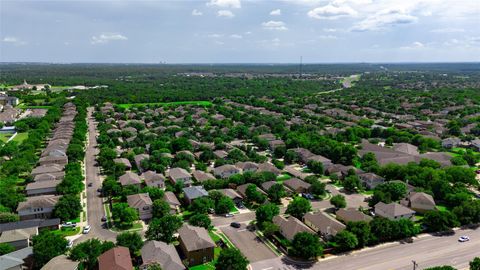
[(427, 251), (95, 210)]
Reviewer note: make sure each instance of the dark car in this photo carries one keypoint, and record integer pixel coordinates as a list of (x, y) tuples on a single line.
[(104, 218), (235, 225), (90, 184)]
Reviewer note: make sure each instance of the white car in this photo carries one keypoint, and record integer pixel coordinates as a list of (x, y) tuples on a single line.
[(463, 238), (86, 229), (70, 244)]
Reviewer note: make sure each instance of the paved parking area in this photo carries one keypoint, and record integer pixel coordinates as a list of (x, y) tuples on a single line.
[(248, 243)]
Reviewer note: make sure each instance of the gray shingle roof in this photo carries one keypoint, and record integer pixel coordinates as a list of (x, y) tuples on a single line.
[(195, 238), (194, 192), (162, 253)]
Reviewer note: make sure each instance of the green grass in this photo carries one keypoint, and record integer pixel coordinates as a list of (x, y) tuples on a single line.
[(176, 103), (22, 136), (67, 231), (283, 177), (5, 136), (207, 266), (135, 227), (24, 106), (77, 220), (442, 208)]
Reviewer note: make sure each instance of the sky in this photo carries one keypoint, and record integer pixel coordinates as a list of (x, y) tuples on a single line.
[(239, 31)]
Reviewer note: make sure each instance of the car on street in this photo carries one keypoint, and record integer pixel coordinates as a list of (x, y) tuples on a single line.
[(235, 225), (104, 218), (70, 244), (228, 215), (90, 184), (69, 225), (463, 238), (99, 189), (308, 196), (86, 229)]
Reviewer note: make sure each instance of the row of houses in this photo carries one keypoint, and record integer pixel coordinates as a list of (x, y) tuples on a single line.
[(36, 211), (327, 226)]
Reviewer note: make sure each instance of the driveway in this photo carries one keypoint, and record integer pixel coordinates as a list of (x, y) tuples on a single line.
[(248, 243), (354, 200)]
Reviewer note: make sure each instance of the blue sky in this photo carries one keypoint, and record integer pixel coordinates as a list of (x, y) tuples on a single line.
[(240, 31)]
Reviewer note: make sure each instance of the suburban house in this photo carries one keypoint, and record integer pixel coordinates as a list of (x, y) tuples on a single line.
[(138, 160), (406, 148), (49, 160), (194, 192), (225, 171), (325, 161), (19, 238), (123, 161), (48, 187), (49, 176), (247, 166), (153, 179), (323, 224), (163, 254), (51, 168), (243, 188), (37, 207), (419, 202), (18, 260), (267, 185), (232, 194), (268, 167), (341, 170), (172, 200), (291, 226), (130, 179), (393, 211), (371, 180), (142, 203), (202, 176), (220, 154), (303, 154), (117, 258), (61, 262), (451, 142), (196, 244), (178, 175), (297, 185), (275, 143), (475, 144), (351, 215)]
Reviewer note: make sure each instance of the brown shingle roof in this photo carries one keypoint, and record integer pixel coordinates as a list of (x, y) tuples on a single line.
[(195, 238), (117, 258)]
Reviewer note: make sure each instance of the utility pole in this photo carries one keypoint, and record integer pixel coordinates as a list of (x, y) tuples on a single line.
[(415, 265)]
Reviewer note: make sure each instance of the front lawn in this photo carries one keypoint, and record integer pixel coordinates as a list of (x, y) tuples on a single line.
[(20, 137), (283, 177), (67, 231)]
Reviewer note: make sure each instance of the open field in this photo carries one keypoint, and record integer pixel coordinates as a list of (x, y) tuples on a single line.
[(176, 103)]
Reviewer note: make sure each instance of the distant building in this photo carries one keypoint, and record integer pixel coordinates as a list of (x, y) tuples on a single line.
[(393, 211), (291, 226), (157, 252), (196, 244), (142, 203)]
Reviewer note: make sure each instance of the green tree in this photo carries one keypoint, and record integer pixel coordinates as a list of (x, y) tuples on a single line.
[(6, 248), (338, 201), (160, 208), (299, 207), (68, 207), (346, 240), (253, 195), (202, 205), (87, 252), (361, 229), (306, 246), (131, 240), (162, 229), (200, 220), (315, 166), (269, 228), (444, 267), (276, 193), (266, 212), (317, 188), (439, 221), (47, 245), (224, 205), (475, 264), (124, 215), (231, 259), (351, 183)]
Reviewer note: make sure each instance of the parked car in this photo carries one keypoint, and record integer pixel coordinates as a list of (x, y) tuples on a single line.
[(99, 189), (463, 238), (69, 225), (90, 184), (228, 215), (104, 218), (235, 225), (86, 229), (308, 196), (240, 206), (70, 244)]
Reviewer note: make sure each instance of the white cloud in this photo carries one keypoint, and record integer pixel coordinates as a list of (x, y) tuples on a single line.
[(196, 13), (330, 30), (225, 3), (384, 18), (448, 30), (276, 12), (236, 36), (327, 37), (214, 35), (331, 12), (274, 25), (414, 45), (14, 41), (225, 13), (107, 37)]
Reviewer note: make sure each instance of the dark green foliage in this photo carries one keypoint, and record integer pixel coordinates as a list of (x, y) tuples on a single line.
[(68, 207), (88, 252), (47, 245), (200, 220), (231, 259), (132, 240), (306, 246), (266, 212), (162, 229), (299, 207), (338, 201)]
